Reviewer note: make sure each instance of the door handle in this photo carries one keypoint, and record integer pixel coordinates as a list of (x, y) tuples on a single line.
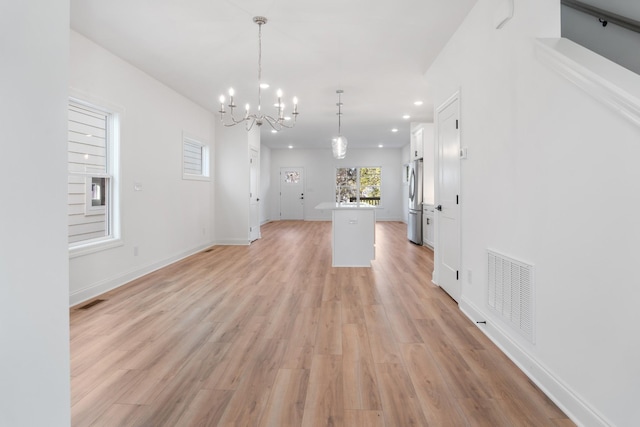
[(439, 208)]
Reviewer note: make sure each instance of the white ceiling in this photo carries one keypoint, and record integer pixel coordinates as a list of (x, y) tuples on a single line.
[(377, 51)]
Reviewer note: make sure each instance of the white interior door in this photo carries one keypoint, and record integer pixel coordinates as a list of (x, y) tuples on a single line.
[(448, 223), (291, 193), (254, 196)]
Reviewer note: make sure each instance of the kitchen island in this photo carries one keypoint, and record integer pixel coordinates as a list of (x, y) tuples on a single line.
[(352, 233)]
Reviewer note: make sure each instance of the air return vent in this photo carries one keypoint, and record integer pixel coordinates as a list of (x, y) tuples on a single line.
[(91, 304), (510, 285)]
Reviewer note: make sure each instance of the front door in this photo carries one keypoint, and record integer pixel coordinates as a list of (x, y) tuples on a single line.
[(448, 198), (291, 193)]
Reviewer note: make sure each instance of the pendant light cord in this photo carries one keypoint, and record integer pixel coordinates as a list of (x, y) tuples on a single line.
[(339, 91), (259, 65)]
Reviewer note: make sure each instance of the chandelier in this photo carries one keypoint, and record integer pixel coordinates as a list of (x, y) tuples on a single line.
[(279, 121), (339, 143)]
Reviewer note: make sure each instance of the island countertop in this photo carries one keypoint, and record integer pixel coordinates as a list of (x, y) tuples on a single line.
[(343, 206)]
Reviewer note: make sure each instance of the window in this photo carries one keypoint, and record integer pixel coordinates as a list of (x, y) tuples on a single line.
[(292, 177), (358, 185), (195, 159), (91, 158)]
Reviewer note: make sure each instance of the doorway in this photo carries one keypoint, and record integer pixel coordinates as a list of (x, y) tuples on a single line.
[(292, 193), (448, 198)]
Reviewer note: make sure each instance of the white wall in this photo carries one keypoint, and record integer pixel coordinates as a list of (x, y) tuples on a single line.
[(429, 163), (550, 179), (171, 217), (34, 314), (319, 179), (406, 158), (232, 183), (265, 184)]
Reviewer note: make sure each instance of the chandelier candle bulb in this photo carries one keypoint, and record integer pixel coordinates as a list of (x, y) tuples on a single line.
[(280, 106)]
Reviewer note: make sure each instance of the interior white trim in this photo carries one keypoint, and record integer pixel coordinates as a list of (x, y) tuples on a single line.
[(232, 242), (435, 276), (111, 283), (608, 82), (566, 399), (93, 247)]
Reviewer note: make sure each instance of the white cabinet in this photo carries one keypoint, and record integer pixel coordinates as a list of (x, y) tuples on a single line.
[(427, 225), (417, 141), (353, 237), (353, 234)]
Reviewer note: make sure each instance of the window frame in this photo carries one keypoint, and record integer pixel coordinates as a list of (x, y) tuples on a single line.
[(111, 175)]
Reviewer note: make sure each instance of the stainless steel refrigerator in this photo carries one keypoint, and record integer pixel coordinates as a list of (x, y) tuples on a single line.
[(414, 225)]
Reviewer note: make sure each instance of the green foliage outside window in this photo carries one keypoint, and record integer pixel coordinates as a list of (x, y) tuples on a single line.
[(358, 185)]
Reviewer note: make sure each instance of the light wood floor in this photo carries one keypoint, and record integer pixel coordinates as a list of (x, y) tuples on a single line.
[(272, 335)]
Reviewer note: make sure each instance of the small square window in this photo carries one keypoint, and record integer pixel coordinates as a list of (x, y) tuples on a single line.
[(195, 159)]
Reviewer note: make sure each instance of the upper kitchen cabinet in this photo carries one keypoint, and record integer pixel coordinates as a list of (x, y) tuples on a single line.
[(422, 147), (417, 140)]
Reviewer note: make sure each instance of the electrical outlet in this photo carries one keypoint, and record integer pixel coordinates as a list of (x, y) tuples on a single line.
[(469, 277), (135, 251)]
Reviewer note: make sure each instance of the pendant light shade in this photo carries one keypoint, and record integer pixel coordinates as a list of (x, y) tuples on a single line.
[(339, 147), (339, 143)]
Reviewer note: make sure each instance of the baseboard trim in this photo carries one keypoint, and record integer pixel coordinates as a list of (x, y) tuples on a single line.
[(114, 282), (377, 219), (232, 242), (565, 398)]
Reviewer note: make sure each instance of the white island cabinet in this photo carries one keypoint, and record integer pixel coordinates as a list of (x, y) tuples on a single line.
[(353, 233)]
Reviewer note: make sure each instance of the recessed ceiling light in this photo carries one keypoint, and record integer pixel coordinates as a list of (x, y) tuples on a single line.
[(274, 131), (406, 117), (380, 145), (418, 103), (290, 147), (264, 85), (394, 130)]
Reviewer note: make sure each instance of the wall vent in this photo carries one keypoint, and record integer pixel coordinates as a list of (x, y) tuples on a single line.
[(510, 288), (91, 304)]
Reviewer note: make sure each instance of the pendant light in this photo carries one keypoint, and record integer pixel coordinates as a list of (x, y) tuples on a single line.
[(339, 143)]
